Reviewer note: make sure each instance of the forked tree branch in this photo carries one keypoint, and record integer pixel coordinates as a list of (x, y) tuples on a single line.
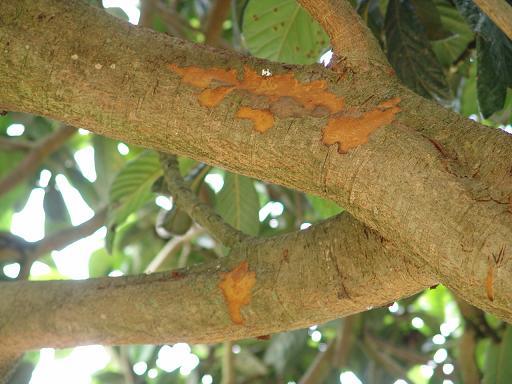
[(451, 213), (200, 212)]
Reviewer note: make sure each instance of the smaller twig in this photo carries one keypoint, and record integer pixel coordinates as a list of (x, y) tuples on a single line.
[(228, 366), (387, 362), (213, 29), (15, 145), (185, 253), (120, 355), (401, 353), (200, 212), (334, 356), (169, 248), (321, 366), (58, 241), (62, 239), (35, 157)]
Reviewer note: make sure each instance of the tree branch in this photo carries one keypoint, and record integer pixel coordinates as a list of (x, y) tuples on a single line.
[(457, 211), (170, 247), (11, 145), (297, 282), (351, 39), (498, 11), (14, 247), (335, 355), (218, 13), (35, 157), (200, 212)]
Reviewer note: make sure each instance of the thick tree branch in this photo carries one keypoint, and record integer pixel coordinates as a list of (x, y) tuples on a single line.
[(35, 157), (498, 11), (298, 282), (214, 106)]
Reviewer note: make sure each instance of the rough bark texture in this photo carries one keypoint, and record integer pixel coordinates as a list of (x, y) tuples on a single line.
[(352, 272), (434, 185)]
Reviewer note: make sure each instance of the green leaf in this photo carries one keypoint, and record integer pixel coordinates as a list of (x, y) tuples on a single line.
[(449, 50), (56, 213), (283, 31), (100, 263), (498, 358), (16, 196), (491, 89), (238, 203), (324, 208), (410, 52), (131, 188), (117, 12), (431, 19), (468, 100), (504, 368), (494, 55), (491, 363), (107, 162)]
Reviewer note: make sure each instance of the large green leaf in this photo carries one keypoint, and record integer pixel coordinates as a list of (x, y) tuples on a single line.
[(324, 208), (410, 53), (56, 212), (448, 50), (107, 161), (131, 188), (238, 203), (498, 367), (283, 31), (494, 58), (431, 19)]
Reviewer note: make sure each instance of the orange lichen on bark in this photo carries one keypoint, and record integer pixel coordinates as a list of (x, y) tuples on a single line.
[(217, 83), (262, 119), (350, 132), (236, 286)]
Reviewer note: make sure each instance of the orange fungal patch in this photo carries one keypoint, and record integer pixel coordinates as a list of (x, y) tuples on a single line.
[(216, 84), (350, 132), (289, 97), (236, 286), (262, 119)]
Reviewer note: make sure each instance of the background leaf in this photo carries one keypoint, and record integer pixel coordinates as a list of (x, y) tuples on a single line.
[(410, 53), (282, 31), (131, 189), (238, 203), (494, 58)]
